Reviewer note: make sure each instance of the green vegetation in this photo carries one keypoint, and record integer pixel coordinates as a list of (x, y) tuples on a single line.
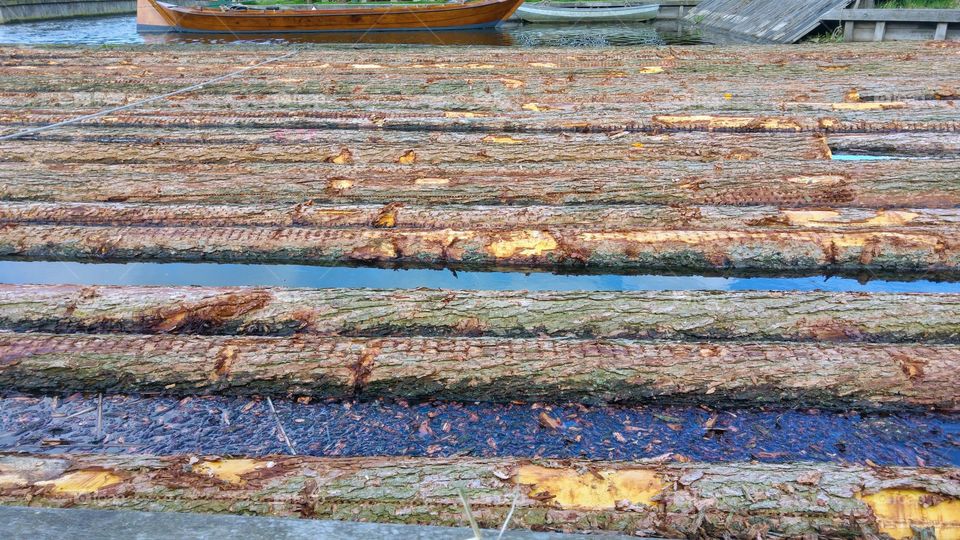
[(919, 4)]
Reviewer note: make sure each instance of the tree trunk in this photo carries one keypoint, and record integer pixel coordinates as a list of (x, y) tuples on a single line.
[(826, 87), (492, 218), (236, 146), (676, 500), (757, 247), (817, 184), (677, 315), (490, 369)]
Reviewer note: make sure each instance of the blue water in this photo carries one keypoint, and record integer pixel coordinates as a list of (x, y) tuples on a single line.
[(288, 275)]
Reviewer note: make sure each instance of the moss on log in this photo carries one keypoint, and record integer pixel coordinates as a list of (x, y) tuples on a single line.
[(676, 500), (676, 315), (490, 369)]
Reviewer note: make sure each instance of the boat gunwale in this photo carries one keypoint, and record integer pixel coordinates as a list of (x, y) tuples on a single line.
[(437, 8)]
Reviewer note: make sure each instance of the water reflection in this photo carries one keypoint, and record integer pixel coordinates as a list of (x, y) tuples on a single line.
[(290, 275), (122, 29)]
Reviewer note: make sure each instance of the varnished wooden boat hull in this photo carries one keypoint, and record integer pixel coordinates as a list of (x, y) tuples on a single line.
[(157, 16)]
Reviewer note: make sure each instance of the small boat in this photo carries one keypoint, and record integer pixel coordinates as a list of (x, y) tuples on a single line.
[(156, 16), (586, 12)]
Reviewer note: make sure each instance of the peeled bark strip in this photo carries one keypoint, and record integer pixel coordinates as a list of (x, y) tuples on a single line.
[(816, 184), (489, 369), (415, 216), (644, 498), (757, 247), (673, 315)]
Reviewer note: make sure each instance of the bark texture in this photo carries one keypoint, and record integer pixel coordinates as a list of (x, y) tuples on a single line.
[(671, 315), (491, 218), (673, 500), (237, 146), (490, 369), (828, 88), (758, 247), (812, 184)]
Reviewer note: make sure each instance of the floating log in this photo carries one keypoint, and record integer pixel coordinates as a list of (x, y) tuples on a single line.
[(758, 247), (558, 89), (815, 184), (670, 315), (238, 146), (414, 216), (655, 498), (865, 376)]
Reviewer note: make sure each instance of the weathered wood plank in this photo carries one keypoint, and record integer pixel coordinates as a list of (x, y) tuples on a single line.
[(676, 315), (653, 498), (785, 21)]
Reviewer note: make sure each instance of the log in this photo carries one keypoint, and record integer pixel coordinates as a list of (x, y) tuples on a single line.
[(779, 90), (236, 146), (669, 315), (663, 499), (757, 247), (488, 218), (816, 184), (832, 376)]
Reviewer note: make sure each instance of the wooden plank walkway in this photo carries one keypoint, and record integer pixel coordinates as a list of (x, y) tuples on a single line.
[(783, 21)]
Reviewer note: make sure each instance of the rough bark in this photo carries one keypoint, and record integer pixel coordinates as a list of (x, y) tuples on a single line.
[(757, 247), (676, 500), (414, 216), (236, 146), (885, 184), (825, 88), (675, 315), (490, 369)]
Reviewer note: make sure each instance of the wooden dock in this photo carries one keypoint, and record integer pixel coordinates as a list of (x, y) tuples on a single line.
[(783, 21), (897, 25), (679, 159)]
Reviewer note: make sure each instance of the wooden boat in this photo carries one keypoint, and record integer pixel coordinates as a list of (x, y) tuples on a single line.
[(585, 12), (156, 16)]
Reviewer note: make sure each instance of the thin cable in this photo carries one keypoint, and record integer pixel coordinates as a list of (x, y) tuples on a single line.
[(191, 88)]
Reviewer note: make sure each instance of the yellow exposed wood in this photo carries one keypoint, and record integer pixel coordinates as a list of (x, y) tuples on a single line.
[(523, 243), (229, 470), (605, 489), (82, 482), (899, 511)]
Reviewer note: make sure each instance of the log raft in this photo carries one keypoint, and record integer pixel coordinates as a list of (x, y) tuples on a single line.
[(657, 498)]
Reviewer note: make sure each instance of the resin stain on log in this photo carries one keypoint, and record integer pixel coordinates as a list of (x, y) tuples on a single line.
[(907, 513), (592, 489)]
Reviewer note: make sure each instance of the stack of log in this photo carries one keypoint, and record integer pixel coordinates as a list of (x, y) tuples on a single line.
[(699, 159)]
